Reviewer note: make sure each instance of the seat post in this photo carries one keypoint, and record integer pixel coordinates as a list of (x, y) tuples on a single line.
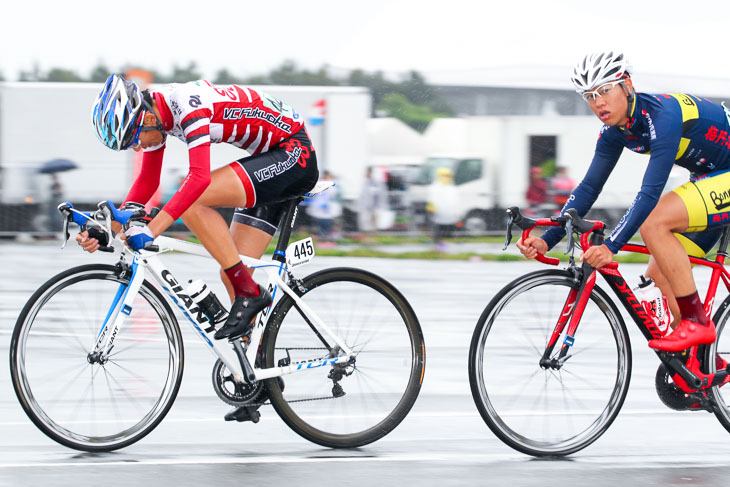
[(724, 241), (286, 225)]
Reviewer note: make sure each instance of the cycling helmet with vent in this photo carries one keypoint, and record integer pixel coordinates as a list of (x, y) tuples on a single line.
[(599, 68), (118, 112)]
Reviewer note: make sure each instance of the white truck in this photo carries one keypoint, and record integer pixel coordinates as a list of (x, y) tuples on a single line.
[(491, 158)]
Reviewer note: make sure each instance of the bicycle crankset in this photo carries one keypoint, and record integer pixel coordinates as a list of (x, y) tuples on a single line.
[(675, 398), (232, 392)]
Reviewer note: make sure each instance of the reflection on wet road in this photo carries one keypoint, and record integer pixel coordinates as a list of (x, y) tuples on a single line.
[(443, 441)]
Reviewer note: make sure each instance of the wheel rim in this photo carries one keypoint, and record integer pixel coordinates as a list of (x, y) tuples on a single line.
[(91, 406), (721, 348), (541, 411), (384, 379)]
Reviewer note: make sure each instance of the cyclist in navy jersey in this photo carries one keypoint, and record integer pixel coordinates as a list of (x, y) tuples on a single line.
[(680, 129), (282, 165)]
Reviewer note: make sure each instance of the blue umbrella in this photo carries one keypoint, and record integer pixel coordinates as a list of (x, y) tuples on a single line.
[(57, 165)]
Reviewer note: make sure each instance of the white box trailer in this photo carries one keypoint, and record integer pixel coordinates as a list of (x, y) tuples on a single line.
[(44, 121)]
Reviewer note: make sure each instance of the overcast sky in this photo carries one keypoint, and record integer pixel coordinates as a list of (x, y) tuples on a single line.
[(251, 37)]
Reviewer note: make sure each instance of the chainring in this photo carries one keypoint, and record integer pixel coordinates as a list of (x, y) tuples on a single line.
[(672, 396), (232, 392)]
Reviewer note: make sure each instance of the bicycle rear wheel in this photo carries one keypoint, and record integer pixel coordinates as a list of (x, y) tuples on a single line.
[(718, 354), (548, 412), (92, 406), (379, 387)]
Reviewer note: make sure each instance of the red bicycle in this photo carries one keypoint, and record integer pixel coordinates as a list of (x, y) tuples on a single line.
[(550, 358)]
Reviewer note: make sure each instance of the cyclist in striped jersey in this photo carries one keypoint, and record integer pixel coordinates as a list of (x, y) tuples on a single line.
[(281, 165), (680, 129)]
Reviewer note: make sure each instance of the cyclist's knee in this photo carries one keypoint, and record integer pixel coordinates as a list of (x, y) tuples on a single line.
[(664, 219), (193, 212), (652, 225)]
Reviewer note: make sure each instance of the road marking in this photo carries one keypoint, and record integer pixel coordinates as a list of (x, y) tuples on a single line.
[(611, 462), (252, 461)]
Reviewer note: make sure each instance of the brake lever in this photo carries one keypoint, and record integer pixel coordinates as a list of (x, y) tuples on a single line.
[(510, 222), (65, 212), (571, 240)]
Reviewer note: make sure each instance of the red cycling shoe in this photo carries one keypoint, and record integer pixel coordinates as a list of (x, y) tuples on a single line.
[(687, 334)]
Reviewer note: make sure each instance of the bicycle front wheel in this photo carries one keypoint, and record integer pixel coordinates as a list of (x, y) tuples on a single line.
[(76, 400), (346, 406), (552, 411)]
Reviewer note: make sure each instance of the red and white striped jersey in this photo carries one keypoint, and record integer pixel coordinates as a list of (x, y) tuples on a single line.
[(199, 113), (250, 119)]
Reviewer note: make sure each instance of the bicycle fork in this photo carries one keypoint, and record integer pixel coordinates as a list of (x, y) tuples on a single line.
[(120, 308), (571, 315)]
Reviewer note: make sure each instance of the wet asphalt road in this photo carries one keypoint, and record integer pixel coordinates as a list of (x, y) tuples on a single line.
[(443, 441)]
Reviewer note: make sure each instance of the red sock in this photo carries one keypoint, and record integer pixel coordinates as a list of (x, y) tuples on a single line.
[(690, 308), (241, 280)]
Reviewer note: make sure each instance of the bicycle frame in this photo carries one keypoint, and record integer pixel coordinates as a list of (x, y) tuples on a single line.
[(687, 373), (146, 263)]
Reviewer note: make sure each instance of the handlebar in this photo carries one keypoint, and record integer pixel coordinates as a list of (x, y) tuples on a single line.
[(570, 221), (101, 219)]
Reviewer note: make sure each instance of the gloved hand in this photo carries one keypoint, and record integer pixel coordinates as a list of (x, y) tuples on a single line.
[(139, 237)]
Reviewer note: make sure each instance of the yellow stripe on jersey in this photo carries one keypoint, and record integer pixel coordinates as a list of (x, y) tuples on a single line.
[(695, 204), (692, 249), (689, 112)]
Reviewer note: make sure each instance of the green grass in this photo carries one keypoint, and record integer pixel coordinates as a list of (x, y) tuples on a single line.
[(366, 250)]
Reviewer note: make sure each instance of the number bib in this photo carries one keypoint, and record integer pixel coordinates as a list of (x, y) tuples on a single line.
[(299, 252)]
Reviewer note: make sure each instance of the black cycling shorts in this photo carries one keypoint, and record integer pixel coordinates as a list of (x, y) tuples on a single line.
[(270, 179)]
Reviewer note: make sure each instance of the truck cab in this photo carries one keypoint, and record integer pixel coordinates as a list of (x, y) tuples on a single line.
[(471, 175)]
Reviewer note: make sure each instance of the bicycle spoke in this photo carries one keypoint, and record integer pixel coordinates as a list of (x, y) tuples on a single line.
[(376, 331), (567, 408), (80, 402)]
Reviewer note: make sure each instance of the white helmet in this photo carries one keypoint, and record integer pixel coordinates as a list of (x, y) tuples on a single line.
[(117, 113), (600, 68)]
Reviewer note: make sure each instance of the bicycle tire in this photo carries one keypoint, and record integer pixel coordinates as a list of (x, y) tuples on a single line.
[(504, 362), (87, 417), (390, 354), (720, 395)]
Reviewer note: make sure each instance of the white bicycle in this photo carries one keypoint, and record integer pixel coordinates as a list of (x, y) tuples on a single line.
[(96, 357)]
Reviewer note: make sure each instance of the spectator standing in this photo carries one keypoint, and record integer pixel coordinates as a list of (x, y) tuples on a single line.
[(442, 206), (373, 199), (561, 186), (537, 190)]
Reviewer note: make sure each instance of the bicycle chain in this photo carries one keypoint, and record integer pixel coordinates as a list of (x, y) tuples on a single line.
[(259, 404), (300, 348), (295, 400)]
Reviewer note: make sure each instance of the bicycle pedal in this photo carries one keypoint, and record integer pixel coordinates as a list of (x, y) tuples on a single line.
[(243, 413), (703, 403), (245, 337)]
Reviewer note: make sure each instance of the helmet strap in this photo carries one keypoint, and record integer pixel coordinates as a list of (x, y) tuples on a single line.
[(148, 103), (631, 99)]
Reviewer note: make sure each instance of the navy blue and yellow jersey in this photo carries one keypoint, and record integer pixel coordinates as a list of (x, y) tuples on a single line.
[(686, 130)]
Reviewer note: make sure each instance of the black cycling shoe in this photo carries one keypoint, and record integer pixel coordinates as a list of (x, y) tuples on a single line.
[(243, 413), (243, 311)]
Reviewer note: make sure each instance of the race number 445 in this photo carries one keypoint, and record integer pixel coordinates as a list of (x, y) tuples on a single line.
[(300, 252)]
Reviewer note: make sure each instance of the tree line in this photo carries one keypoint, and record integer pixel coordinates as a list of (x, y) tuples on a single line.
[(410, 99)]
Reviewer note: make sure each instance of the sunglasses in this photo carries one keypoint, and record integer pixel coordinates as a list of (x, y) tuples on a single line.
[(591, 96)]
